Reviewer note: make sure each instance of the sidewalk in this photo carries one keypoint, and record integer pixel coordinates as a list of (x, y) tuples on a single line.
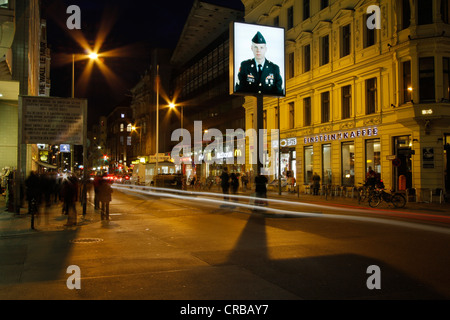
[(48, 219), (52, 219)]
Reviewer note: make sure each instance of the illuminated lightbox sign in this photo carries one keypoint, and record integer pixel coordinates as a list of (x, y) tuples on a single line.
[(289, 142), (257, 60), (64, 147), (366, 132)]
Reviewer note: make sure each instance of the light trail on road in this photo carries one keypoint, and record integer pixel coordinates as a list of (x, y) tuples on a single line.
[(205, 198)]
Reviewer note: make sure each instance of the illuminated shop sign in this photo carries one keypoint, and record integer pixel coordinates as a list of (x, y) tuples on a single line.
[(366, 132), (285, 142)]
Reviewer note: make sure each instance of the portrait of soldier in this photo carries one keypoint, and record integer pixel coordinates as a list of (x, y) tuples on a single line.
[(259, 75)]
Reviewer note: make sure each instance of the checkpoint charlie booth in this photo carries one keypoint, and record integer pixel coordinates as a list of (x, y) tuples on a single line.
[(360, 98)]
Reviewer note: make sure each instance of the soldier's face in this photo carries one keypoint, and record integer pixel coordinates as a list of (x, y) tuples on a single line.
[(259, 50)]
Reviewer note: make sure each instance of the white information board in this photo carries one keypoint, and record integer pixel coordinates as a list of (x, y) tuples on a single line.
[(52, 120)]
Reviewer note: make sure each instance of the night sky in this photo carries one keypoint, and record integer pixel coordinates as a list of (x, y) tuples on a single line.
[(135, 27)]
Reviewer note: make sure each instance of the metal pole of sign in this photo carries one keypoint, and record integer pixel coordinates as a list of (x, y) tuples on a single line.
[(260, 136), (157, 118), (279, 148)]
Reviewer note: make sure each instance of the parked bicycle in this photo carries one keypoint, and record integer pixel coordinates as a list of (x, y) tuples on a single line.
[(364, 193), (379, 195)]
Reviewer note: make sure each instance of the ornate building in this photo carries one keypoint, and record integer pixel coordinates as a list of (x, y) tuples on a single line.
[(360, 97)]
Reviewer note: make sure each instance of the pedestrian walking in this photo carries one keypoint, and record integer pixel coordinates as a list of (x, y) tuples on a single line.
[(32, 185), (70, 195), (225, 183), (261, 190), (244, 180), (316, 183), (234, 184), (105, 192), (97, 180)]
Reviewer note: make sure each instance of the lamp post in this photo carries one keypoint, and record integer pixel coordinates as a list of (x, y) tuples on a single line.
[(92, 56), (157, 118)]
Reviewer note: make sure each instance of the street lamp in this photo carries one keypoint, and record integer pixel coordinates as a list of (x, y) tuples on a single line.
[(93, 56), (173, 106)]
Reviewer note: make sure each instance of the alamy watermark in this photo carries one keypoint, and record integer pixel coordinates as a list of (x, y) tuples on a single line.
[(374, 20), (74, 20)]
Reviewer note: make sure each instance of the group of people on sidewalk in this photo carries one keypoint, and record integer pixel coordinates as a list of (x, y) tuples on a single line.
[(231, 180), (51, 188)]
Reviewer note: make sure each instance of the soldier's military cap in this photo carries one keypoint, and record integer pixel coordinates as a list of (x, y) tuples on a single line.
[(258, 38)]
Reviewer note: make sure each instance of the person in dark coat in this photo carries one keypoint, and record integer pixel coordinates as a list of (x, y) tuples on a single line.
[(104, 195), (70, 194), (225, 183), (261, 189), (33, 192), (234, 184), (316, 183)]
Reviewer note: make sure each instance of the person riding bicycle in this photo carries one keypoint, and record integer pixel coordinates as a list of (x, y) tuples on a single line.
[(371, 178)]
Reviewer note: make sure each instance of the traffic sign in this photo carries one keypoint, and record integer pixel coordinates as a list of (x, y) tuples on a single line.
[(396, 162)]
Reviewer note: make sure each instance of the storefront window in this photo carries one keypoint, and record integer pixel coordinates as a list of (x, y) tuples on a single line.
[(308, 161), (373, 152), (348, 164), (326, 164)]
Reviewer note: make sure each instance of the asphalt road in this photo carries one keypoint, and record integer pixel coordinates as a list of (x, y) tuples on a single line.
[(175, 249)]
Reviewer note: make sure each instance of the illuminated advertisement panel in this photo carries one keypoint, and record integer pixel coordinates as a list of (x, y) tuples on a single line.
[(257, 60)]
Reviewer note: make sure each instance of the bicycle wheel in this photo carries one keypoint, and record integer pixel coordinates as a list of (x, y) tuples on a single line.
[(398, 200), (374, 200)]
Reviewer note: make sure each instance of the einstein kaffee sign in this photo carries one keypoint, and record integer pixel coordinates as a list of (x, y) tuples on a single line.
[(52, 120)]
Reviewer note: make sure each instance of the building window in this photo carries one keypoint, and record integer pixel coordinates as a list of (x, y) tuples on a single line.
[(307, 111), (290, 17), (291, 65), (405, 14), (121, 127), (445, 8), (291, 115), (323, 4), (307, 58), (325, 106), (129, 126), (371, 95), (324, 50), (276, 21), (346, 101), (425, 12), (373, 155), (326, 164), (446, 65), (426, 79), (306, 9), (346, 40), (369, 34), (348, 164), (407, 88), (308, 161), (122, 115), (129, 141)]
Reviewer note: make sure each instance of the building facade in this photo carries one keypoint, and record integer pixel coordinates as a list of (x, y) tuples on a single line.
[(362, 95), (201, 87), (119, 139)]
